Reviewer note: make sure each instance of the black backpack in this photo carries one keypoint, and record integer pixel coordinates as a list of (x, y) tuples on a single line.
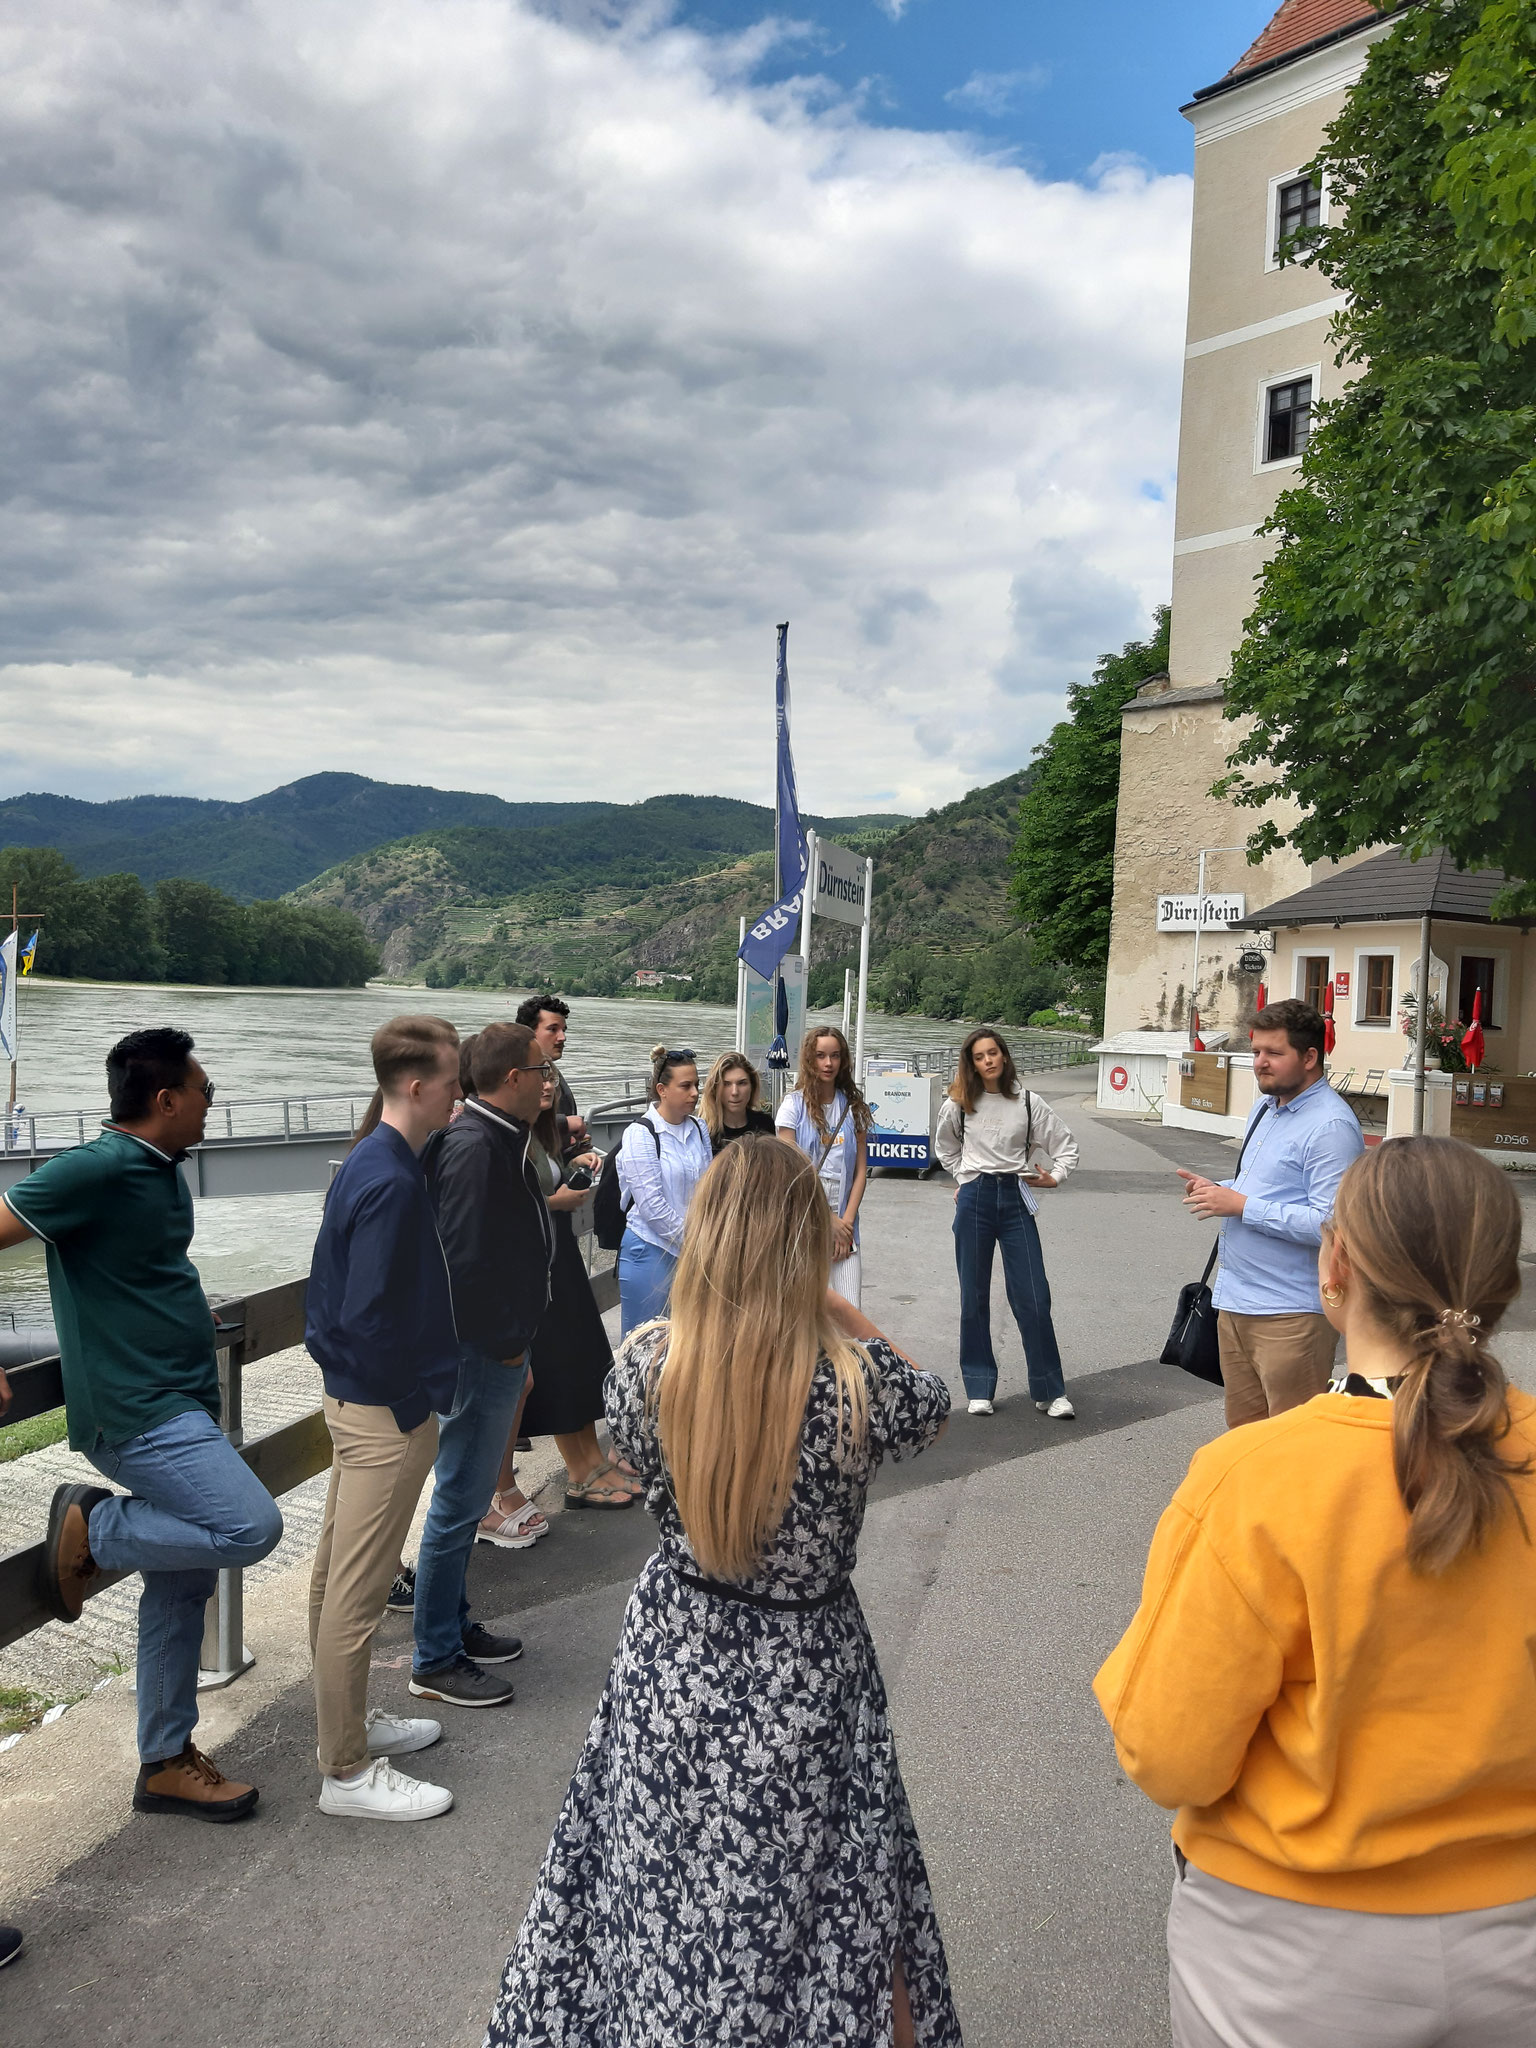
[(608, 1205)]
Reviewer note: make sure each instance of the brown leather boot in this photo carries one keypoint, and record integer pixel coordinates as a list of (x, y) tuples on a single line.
[(194, 1785), (68, 1566)]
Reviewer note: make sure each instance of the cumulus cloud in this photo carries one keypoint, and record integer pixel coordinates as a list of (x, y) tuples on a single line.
[(459, 391), (995, 92)]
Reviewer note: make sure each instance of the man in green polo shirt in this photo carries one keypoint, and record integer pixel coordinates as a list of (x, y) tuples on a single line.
[(141, 1393)]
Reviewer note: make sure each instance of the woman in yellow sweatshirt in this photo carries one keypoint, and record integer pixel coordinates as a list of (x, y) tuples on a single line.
[(1332, 1673)]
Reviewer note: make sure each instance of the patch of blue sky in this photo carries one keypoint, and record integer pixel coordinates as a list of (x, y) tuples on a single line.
[(1063, 89)]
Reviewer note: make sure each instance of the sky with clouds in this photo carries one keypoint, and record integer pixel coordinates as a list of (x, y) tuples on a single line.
[(458, 391)]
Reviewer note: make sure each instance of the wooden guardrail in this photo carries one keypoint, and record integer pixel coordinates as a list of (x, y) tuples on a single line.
[(251, 1327)]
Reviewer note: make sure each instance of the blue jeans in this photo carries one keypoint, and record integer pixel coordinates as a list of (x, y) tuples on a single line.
[(194, 1508), (470, 1441), (990, 1212), (645, 1281)]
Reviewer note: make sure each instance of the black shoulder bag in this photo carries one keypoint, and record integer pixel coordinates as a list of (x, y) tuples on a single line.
[(1192, 1341)]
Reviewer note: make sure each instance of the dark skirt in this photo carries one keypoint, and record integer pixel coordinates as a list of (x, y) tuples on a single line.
[(570, 1353)]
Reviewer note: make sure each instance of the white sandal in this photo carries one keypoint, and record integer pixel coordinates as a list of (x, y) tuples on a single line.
[(519, 1531)]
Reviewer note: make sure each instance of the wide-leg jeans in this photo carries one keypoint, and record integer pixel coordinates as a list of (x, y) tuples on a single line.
[(990, 1214), (194, 1508), (470, 1441)]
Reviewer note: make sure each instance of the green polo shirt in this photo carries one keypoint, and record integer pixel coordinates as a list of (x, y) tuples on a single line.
[(135, 1329)]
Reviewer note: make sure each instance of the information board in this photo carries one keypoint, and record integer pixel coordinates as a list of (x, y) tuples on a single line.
[(905, 1109)]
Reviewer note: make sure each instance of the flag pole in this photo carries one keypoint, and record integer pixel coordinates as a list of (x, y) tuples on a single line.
[(16, 916)]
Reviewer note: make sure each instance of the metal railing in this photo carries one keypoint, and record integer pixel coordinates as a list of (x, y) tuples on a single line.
[(248, 1328)]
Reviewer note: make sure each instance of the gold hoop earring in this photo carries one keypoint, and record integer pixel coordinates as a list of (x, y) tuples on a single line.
[(1332, 1295)]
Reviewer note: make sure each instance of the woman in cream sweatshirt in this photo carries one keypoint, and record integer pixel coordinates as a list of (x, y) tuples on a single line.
[(1332, 1673), (1001, 1143)]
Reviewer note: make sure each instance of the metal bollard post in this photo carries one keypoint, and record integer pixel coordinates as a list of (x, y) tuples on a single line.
[(224, 1656)]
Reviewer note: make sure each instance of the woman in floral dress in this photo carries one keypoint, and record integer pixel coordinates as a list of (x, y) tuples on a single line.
[(735, 1862)]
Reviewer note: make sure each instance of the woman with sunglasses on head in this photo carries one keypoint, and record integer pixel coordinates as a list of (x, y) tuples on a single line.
[(1330, 1675), (729, 1102), (1001, 1143), (662, 1158), (735, 1860), (826, 1117)]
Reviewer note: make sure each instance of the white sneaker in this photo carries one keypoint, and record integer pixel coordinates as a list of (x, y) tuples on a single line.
[(981, 1408), (1059, 1410), (395, 1735), (383, 1793)]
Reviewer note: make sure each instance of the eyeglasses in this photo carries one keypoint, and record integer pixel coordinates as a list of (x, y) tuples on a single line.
[(205, 1089), (544, 1067), (679, 1056)]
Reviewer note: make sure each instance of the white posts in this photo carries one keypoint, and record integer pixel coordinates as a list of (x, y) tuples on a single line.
[(1421, 1031), (869, 901), (807, 897), (847, 999), (741, 992)]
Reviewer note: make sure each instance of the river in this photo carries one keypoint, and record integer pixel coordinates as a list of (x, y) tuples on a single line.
[(286, 1041)]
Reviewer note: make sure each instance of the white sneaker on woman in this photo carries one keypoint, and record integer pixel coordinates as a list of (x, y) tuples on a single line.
[(383, 1793), (981, 1408)]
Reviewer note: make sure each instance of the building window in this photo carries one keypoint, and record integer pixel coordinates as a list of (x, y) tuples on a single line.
[(1377, 1004), (1476, 973), (1287, 419), (1298, 207), (1314, 978)]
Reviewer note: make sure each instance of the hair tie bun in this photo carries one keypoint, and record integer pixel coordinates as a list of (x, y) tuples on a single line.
[(1464, 1316)]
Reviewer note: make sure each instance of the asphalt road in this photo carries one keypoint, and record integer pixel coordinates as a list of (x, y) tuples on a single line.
[(997, 1571)]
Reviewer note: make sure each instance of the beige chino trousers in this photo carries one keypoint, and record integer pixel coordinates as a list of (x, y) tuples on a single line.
[(376, 1479), (1271, 1363)]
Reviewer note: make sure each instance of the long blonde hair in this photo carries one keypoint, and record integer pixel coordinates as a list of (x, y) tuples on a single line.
[(710, 1107), (1432, 1235), (748, 1323), (808, 1081)]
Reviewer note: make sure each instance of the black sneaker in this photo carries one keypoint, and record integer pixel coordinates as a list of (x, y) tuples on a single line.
[(486, 1648), (10, 1945), (462, 1684), (402, 1594)]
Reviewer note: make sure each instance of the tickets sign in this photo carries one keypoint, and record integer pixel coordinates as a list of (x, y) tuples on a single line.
[(902, 1106)]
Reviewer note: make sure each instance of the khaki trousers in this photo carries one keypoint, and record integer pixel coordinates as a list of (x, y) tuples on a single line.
[(1271, 1363), (1248, 1971), (376, 1479)]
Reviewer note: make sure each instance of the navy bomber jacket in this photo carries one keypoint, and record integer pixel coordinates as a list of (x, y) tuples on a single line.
[(379, 1313), (495, 1228)]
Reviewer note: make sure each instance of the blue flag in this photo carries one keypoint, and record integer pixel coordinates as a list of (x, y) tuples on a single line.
[(773, 934)]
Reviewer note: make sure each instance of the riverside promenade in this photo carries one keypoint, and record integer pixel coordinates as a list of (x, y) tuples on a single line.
[(997, 1570)]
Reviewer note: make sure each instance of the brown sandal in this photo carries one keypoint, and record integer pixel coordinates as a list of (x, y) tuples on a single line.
[(580, 1493)]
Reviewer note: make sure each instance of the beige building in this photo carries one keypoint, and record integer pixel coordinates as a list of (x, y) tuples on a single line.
[(1256, 361)]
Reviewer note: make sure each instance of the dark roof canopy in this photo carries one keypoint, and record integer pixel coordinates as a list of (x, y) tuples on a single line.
[(1387, 889)]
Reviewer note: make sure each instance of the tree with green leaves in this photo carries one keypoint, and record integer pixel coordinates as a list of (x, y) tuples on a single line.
[(1064, 855), (1389, 668)]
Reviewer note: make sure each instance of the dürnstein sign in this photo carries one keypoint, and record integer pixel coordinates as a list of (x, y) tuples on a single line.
[(838, 890)]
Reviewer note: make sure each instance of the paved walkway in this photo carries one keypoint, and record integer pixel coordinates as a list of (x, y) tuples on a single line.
[(997, 1571)]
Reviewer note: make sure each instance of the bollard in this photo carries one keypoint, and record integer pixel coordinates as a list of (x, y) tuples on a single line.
[(224, 1656)]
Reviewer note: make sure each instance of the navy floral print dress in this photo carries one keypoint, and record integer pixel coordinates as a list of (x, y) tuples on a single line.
[(735, 1862)]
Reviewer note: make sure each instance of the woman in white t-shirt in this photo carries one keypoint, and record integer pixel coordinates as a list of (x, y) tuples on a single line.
[(827, 1117), (1001, 1143)]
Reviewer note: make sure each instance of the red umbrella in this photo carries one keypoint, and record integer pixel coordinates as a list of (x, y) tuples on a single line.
[(1261, 999), (1196, 1042), (1472, 1043), (1328, 1031)]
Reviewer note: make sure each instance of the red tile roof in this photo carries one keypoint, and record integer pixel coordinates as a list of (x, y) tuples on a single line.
[(1300, 22)]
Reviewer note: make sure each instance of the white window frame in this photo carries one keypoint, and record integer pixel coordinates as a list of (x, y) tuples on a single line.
[(1272, 214), (1298, 978), (1357, 989), (1500, 961), (1267, 384)]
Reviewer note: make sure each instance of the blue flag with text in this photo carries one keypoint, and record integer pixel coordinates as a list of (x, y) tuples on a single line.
[(771, 936)]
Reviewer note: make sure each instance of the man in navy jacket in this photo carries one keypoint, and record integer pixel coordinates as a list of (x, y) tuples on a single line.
[(500, 1243), (379, 1324)]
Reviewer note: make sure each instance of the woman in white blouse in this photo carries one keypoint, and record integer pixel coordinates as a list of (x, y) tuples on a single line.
[(662, 1159), (1000, 1143), (827, 1118)]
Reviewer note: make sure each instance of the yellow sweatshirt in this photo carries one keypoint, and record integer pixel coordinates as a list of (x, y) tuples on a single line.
[(1332, 1727)]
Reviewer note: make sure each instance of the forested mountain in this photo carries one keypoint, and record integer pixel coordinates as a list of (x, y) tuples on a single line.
[(271, 844)]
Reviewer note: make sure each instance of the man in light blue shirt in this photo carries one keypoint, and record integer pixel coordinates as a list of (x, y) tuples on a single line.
[(1276, 1344)]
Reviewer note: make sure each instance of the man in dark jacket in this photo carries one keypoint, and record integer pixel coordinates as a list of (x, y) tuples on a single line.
[(497, 1234), (379, 1324)]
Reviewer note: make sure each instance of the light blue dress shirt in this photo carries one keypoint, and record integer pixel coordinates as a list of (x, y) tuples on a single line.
[(1291, 1170), (661, 1187)]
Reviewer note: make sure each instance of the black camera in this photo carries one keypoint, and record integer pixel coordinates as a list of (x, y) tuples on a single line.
[(579, 1178)]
